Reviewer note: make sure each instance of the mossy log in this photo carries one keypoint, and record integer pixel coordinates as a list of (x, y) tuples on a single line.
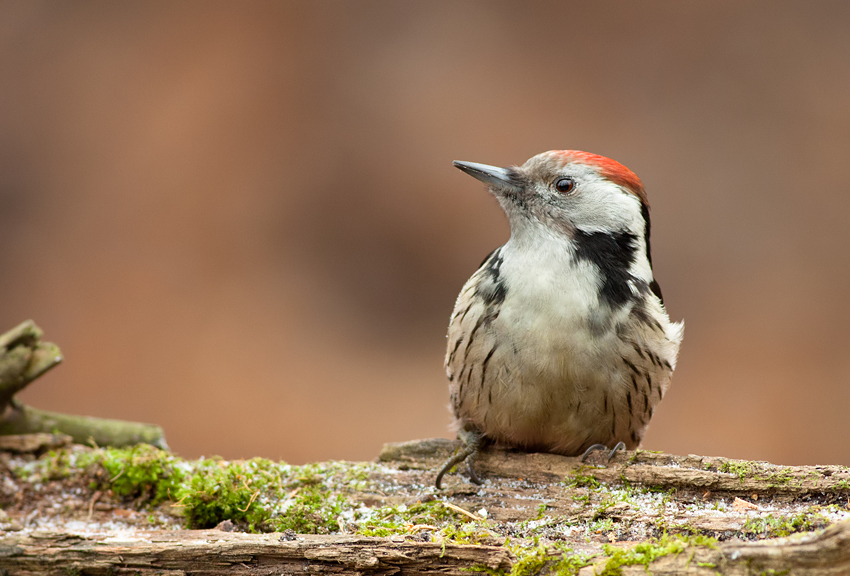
[(24, 420), (33, 443), (213, 553), (23, 358), (692, 472), (535, 514)]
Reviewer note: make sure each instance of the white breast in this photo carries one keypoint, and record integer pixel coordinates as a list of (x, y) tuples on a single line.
[(553, 313), (555, 378)]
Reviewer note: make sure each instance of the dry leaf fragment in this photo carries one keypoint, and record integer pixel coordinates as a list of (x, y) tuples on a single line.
[(742, 505)]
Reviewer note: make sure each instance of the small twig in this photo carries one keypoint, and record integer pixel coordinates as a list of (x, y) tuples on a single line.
[(417, 527), (290, 496), (461, 510), (251, 501), (94, 499), (179, 502), (117, 476)]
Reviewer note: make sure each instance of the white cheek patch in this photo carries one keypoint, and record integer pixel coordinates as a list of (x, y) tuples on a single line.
[(601, 206)]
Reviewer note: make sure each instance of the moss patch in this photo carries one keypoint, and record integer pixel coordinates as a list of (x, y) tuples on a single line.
[(218, 491), (560, 560), (141, 472), (257, 495), (647, 552), (536, 521), (404, 519), (776, 526), (739, 469), (578, 478)]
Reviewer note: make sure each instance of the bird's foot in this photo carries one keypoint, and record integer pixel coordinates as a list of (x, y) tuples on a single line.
[(471, 442), (598, 447)]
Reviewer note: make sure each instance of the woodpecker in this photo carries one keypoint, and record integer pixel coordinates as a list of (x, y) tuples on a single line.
[(560, 341)]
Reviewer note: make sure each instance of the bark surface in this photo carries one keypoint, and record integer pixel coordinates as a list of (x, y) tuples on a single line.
[(594, 510), (25, 357), (212, 552)]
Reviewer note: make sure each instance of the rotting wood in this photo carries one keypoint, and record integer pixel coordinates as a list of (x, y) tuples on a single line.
[(25, 357), (692, 472), (21, 419), (213, 553), (522, 494), (33, 443)]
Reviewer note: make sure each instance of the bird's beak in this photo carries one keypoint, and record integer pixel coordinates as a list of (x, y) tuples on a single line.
[(500, 179)]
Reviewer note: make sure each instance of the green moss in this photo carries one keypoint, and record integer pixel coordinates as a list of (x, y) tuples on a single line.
[(781, 478), (465, 533), (541, 511), (578, 479), (391, 520), (773, 477), (265, 496), (600, 526), (530, 561), (600, 510), (445, 524), (53, 465), (740, 469), (258, 495), (142, 472), (647, 552), (313, 512), (583, 499), (569, 564), (218, 491), (559, 561), (771, 526)]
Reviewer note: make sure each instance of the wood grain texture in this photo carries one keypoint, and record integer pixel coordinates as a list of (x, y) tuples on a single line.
[(517, 483), (690, 472), (212, 552)]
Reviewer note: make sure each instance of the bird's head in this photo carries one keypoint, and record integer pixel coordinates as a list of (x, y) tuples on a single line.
[(565, 191)]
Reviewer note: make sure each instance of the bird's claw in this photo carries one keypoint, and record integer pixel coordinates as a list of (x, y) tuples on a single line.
[(598, 447), (471, 442), (473, 476)]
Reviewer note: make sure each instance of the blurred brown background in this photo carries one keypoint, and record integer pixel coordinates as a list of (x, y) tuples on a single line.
[(240, 220)]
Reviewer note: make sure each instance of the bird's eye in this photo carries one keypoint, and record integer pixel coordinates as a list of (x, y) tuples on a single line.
[(565, 185)]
